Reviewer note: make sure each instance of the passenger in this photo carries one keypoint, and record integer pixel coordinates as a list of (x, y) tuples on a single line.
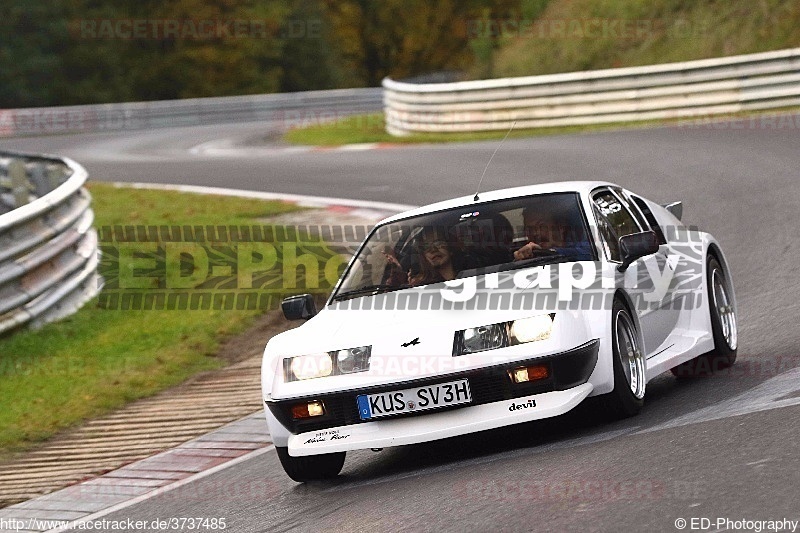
[(440, 257), (436, 256), (433, 261)]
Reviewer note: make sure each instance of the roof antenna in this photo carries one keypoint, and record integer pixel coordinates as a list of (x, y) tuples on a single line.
[(490, 161)]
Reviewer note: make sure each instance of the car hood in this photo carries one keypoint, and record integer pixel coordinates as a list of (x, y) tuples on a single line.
[(406, 344)]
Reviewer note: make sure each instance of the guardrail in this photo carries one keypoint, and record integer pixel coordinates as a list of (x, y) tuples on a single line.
[(674, 90), (48, 248), (290, 108)]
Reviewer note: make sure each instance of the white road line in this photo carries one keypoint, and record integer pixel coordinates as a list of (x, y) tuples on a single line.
[(301, 200), (202, 148), (768, 395), (359, 147), (771, 394), (162, 490), (228, 148)]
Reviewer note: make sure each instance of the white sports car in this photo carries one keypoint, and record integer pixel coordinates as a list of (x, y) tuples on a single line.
[(481, 312)]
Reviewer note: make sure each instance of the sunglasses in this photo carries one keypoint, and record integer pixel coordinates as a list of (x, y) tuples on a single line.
[(428, 246)]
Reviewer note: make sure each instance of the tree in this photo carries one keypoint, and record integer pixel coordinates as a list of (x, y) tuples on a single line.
[(404, 38), (308, 60)]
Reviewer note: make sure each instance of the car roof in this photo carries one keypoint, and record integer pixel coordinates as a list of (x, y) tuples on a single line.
[(581, 187)]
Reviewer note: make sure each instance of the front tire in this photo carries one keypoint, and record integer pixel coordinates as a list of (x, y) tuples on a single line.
[(722, 307), (310, 467), (627, 398)]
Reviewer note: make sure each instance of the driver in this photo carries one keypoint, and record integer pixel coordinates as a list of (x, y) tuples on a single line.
[(551, 232)]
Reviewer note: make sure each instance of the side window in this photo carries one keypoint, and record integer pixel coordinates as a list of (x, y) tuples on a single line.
[(614, 220), (651, 219), (634, 210), (607, 235), (617, 213)]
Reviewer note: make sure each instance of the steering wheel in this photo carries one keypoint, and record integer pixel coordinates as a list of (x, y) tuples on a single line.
[(543, 252), (540, 252)]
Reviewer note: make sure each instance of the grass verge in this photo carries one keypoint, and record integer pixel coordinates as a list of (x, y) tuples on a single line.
[(358, 129), (98, 360), (371, 128)]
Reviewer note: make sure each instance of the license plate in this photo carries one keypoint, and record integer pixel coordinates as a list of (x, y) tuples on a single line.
[(412, 400)]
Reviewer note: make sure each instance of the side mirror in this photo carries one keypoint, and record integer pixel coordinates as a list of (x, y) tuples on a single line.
[(636, 245), (300, 307), (676, 208)]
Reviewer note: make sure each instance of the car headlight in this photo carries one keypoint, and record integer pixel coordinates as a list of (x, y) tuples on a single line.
[(331, 363), (482, 338), (502, 334), (535, 328), (309, 366), (352, 359)]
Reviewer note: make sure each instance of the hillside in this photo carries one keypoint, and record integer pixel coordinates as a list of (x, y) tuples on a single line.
[(571, 35)]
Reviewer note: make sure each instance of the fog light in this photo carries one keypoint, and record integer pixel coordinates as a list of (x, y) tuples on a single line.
[(307, 410), (529, 373)]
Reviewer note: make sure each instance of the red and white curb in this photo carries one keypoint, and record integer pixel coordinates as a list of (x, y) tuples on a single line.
[(231, 148)]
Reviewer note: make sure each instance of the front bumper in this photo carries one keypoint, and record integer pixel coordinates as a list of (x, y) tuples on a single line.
[(488, 384), (491, 391), (437, 425)]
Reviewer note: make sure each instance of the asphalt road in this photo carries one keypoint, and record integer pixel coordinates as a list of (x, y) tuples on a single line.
[(724, 446)]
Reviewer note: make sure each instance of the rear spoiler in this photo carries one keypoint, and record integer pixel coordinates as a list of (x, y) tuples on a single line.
[(676, 208)]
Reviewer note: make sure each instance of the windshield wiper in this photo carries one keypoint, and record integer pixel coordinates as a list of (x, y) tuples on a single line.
[(367, 289)]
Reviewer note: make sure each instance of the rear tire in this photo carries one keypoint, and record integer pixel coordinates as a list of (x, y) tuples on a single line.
[(722, 307), (310, 467), (627, 398)]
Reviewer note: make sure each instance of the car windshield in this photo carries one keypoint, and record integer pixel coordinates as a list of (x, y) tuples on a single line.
[(469, 240)]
